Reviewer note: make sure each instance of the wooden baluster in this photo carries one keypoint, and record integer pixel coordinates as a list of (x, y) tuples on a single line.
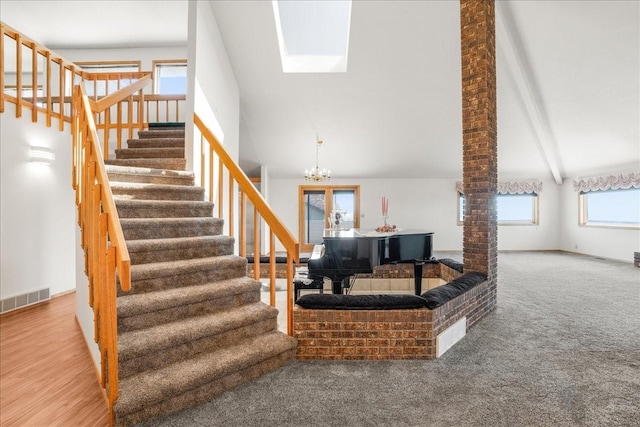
[(141, 122), (129, 117), (93, 199), (202, 162), (119, 125), (2, 66), (243, 225), (157, 116), (289, 294), (112, 325), (101, 258), (272, 269), (34, 83), (47, 56), (61, 95), (74, 148), (18, 76), (211, 174), (231, 206), (220, 187), (256, 244), (105, 138)]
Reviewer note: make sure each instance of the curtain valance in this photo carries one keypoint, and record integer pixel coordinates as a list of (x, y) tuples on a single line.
[(512, 187), (610, 182)]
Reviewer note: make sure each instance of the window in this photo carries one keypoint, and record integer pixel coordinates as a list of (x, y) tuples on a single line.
[(170, 77), (101, 88), (513, 209), (313, 36), (616, 208), (315, 205)]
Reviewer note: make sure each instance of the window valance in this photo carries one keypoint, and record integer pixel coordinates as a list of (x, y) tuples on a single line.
[(512, 187), (610, 182)]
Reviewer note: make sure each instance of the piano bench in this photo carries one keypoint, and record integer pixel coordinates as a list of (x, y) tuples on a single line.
[(300, 284)]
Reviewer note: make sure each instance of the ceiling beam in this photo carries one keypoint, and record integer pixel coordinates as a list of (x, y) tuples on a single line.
[(530, 98)]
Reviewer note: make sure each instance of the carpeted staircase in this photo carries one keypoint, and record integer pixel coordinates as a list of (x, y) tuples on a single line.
[(192, 325)]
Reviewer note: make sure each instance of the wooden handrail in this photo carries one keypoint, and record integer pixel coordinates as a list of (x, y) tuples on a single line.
[(108, 204), (246, 188), (114, 98), (286, 238), (102, 236)]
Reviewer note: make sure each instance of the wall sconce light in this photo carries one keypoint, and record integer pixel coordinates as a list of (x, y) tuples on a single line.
[(41, 155)]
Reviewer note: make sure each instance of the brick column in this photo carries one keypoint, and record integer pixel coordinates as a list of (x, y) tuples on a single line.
[(479, 139)]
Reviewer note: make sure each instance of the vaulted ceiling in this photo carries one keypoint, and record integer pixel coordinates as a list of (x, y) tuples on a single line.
[(567, 72)]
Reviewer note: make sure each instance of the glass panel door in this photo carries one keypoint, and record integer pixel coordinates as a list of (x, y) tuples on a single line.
[(314, 217)]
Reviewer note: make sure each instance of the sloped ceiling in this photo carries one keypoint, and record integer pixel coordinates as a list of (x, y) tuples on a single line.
[(567, 71)]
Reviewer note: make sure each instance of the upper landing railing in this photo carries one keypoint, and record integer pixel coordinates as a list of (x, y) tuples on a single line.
[(40, 82)]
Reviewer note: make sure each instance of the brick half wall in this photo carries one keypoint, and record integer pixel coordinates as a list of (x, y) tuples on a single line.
[(384, 334)]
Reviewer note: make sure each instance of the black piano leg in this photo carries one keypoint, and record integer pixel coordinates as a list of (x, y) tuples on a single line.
[(336, 286), (417, 276)]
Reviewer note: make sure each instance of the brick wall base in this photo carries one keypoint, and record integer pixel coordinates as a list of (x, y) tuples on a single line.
[(384, 334)]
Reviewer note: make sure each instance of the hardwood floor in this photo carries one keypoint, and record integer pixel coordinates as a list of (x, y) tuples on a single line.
[(47, 377)]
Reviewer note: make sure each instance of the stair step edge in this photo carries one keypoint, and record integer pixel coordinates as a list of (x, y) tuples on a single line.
[(175, 243), (148, 171), (132, 223), (138, 304), (151, 203), (152, 387), (128, 185), (142, 341), (163, 269)]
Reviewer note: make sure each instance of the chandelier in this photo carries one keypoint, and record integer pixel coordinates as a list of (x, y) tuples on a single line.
[(315, 174)]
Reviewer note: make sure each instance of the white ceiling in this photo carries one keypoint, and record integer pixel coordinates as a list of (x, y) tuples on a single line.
[(568, 83)]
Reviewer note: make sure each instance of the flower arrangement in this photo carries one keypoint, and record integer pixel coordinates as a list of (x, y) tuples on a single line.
[(386, 228)]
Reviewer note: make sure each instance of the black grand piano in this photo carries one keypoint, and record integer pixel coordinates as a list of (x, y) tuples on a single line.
[(351, 252)]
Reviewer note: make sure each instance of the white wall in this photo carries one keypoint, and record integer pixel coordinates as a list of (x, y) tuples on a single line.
[(612, 243), (38, 213), (214, 76), (213, 91), (428, 204)]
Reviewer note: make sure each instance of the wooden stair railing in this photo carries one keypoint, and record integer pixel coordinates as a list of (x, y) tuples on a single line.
[(42, 67), (37, 79), (55, 91), (107, 261), (214, 162)]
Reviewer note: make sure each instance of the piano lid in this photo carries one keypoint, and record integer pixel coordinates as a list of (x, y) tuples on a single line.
[(364, 233)]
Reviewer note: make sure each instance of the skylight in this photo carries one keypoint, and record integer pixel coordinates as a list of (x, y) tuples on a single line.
[(313, 35)]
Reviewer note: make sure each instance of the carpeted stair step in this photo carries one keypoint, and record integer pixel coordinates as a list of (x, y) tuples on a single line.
[(160, 163), (148, 175), (149, 153), (196, 380), (162, 250), (128, 208), (161, 133), (168, 275), (144, 191), (149, 309), (156, 143), (168, 228), (162, 345)]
